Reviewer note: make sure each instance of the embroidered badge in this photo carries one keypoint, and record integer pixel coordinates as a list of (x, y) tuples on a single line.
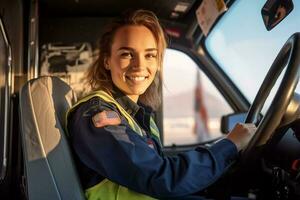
[(105, 118)]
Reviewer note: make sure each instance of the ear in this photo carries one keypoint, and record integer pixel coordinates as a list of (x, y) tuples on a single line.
[(107, 63)]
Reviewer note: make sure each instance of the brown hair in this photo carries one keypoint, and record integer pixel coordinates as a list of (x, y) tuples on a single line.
[(100, 78)]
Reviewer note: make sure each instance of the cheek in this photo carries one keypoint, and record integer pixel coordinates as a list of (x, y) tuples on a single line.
[(124, 63), (117, 73), (119, 67), (154, 68), (120, 63)]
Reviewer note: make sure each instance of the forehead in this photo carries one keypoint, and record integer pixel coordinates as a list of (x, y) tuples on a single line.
[(135, 36)]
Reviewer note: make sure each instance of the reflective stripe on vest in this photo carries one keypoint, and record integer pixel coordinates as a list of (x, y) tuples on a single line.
[(109, 99), (106, 189)]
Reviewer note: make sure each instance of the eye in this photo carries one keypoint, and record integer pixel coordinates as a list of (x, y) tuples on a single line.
[(151, 55), (126, 55)]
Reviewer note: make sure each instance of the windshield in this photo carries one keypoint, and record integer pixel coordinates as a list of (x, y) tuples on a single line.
[(244, 49)]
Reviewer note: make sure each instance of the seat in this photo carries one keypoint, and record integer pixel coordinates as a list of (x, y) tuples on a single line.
[(49, 167)]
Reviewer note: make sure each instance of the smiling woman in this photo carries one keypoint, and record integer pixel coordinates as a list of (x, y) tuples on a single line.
[(113, 132), (125, 142), (131, 50)]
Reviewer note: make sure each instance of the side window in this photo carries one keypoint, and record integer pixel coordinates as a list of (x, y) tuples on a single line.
[(4, 97), (192, 105)]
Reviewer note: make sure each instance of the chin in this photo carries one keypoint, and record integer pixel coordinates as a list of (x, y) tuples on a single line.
[(138, 91)]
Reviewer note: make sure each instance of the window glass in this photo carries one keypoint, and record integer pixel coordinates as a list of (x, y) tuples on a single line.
[(192, 106), (244, 49)]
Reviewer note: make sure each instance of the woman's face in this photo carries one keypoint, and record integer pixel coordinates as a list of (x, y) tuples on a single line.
[(133, 62)]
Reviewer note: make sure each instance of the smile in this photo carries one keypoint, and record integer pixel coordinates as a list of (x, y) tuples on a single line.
[(136, 78)]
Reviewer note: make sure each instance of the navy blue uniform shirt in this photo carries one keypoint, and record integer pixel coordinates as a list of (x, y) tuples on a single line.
[(124, 157)]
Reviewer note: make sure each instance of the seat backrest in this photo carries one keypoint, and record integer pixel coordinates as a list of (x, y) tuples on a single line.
[(50, 170)]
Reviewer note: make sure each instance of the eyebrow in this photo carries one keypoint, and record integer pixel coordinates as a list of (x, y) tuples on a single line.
[(131, 49)]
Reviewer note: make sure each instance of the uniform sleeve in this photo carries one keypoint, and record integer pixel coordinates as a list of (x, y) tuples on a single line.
[(121, 155)]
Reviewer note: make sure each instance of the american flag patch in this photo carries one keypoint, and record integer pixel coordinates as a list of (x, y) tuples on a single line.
[(105, 118), (150, 143)]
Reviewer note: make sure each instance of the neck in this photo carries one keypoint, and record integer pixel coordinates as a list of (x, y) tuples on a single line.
[(134, 98)]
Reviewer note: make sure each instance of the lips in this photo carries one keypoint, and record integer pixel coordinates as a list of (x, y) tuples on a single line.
[(136, 78)]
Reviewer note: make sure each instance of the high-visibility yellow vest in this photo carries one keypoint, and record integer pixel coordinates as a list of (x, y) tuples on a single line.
[(106, 189)]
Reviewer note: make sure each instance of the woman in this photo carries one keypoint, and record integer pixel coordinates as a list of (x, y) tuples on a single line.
[(113, 134)]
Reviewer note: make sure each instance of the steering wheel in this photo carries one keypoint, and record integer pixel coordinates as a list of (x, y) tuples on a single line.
[(289, 57)]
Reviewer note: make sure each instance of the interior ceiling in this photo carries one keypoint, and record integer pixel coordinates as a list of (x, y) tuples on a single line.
[(165, 9), (177, 16)]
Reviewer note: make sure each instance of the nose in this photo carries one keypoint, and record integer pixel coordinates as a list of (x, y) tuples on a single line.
[(139, 62)]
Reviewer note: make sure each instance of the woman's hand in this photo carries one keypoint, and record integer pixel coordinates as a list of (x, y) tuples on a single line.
[(242, 134)]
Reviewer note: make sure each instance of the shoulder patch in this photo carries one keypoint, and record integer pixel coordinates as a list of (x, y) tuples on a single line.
[(105, 118)]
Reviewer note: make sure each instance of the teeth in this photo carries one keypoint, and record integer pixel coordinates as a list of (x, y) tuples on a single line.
[(137, 78)]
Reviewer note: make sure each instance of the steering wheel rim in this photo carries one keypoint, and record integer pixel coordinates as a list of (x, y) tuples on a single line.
[(289, 58)]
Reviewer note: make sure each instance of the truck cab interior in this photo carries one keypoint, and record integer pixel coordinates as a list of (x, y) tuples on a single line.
[(226, 62)]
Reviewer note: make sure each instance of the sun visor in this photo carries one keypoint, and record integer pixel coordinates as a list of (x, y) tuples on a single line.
[(208, 12)]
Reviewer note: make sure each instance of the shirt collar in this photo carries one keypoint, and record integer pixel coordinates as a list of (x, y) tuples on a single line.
[(130, 106)]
